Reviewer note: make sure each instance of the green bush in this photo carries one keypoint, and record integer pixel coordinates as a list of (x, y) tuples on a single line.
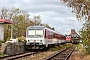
[(21, 39), (76, 48), (0, 43), (87, 49), (86, 44), (2, 55)]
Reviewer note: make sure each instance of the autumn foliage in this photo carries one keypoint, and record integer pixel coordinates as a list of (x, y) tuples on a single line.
[(81, 8), (21, 21)]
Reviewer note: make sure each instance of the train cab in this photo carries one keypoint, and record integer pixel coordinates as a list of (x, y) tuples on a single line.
[(68, 39)]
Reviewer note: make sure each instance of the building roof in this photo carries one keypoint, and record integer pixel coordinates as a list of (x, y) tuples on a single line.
[(5, 21), (73, 31)]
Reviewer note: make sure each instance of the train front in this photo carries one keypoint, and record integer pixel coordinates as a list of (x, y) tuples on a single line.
[(35, 37), (68, 39)]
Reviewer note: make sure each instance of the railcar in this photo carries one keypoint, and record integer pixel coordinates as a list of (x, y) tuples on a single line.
[(75, 38), (68, 39), (40, 37)]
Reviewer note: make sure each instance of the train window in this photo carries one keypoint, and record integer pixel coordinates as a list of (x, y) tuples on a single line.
[(39, 32), (47, 33), (74, 35), (35, 33), (68, 36), (57, 36), (51, 35), (54, 35), (31, 32)]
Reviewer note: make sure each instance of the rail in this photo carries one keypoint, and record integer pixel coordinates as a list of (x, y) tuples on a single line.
[(61, 55), (16, 56)]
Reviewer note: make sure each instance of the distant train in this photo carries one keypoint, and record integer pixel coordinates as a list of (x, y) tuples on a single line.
[(40, 37), (73, 37), (68, 39)]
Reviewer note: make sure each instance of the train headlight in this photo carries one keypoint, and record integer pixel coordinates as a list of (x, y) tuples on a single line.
[(28, 40), (40, 40)]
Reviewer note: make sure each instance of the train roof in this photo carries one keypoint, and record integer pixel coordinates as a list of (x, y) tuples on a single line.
[(42, 27), (39, 27), (35, 27)]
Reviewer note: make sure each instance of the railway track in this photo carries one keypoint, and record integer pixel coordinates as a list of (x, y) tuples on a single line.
[(61, 55), (17, 56)]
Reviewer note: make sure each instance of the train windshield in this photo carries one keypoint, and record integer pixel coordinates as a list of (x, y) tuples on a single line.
[(74, 35), (68, 36), (35, 33)]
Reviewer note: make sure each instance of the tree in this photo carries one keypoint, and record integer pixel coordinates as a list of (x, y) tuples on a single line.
[(81, 8), (49, 27), (3, 14), (20, 19), (37, 20)]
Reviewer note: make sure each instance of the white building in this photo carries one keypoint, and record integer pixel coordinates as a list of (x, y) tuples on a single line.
[(2, 22)]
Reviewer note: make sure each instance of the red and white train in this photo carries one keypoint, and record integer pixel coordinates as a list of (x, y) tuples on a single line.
[(39, 37), (68, 39), (73, 37)]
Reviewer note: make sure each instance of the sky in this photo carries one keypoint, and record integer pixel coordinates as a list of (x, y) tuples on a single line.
[(52, 12)]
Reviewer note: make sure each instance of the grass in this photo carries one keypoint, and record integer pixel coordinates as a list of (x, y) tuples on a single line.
[(2, 55), (77, 46), (56, 48)]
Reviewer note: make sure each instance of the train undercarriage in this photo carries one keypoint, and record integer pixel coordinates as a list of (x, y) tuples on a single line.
[(37, 46)]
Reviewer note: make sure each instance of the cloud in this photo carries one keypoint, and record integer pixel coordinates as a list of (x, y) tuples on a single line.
[(51, 11)]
